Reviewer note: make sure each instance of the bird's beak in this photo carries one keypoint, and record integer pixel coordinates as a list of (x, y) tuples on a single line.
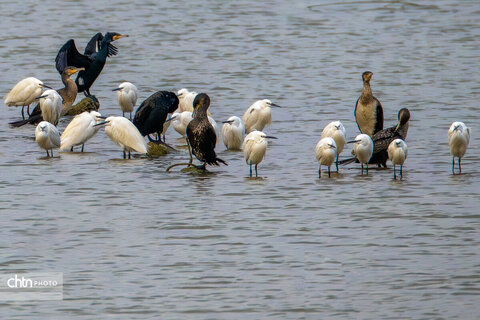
[(45, 86), (332, 146), (100, 123), (228, 121), (116, 89), (76, 70), (101, 117), (270, 137), (353, 141), (172, 118), (118, 36), (275, 105), (44, 96), (456, 128)]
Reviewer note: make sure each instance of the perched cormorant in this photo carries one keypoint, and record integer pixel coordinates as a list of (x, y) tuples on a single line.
[(201, 135), (383, 138), (96, 53), (68, 94), (152, 113), (368, 110)]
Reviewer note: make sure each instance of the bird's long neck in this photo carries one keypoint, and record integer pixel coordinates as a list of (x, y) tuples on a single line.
[(201, 113), (366, 92), (70, 85)]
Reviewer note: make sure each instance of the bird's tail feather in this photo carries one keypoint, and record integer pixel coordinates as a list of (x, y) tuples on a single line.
[(222, 161), (346, 161), (18, 123)]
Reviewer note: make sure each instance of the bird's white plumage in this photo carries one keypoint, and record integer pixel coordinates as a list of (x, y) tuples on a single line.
[(80, 129), (363, 148), (458, 139), (24, 92), (167, 124), (127, 96), (257, 116), (124, 133), (185, 100), (51, 106), (233, 133), (47, 136), (336, 131), (254, 147), (325, 151), (182, 119), (397, 151)]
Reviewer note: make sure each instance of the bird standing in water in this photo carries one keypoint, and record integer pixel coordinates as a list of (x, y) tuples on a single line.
[(68, 94), (201, 135), (362, 149), (368, 110), (127, 97), (152, 113), (325, 152), (185, 98), (51, 106), (47, 136), (81, 129), (397, 153), (258, 115), (24, 93), (233, 132), (93, 61), (336, 131), (458, 139), (254, 148)]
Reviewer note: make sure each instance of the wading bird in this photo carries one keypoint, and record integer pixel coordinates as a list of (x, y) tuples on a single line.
[(152, 113), (185, 99), (93, 59), (201, 136), (325, 152), (51, 106), (258, 115), (24, 93), (397, 153), (368, 110), (362, 149), (458, 139), (233, 132), (182, 119), (254, 148), (47, 136), (81, 129), (125, 134), (336, 131), (68, 94), (127, 97)]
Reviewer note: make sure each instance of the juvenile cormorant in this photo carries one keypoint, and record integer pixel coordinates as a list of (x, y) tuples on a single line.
[(68, 94), (458, 139), (93, 61), (152, 113), (368, 110), (201, 135)]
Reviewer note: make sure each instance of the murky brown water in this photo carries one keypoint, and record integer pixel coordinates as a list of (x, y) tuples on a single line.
[(135, 242)]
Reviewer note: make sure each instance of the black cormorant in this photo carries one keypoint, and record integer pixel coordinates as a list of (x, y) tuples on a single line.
[(201, 135), (92, 60), (368, 110), (68, 94), (152, 113)]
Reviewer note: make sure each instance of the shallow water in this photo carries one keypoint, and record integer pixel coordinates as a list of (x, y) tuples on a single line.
[(135, 242)]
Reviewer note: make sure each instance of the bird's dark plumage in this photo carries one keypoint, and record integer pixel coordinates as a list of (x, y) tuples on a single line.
[(368, 110), (152, 113), (93, 60), (201, 135)]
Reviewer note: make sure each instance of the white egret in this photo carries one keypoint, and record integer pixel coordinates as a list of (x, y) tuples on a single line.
[(127, 97), (47, 136), (325, 152), (125, 134), (51, 106), (233, 132), (254, 148), (458, 139), (362, 149), (166, 125), (185, 99), (336, 131), (24, 93), (397, 153), (81, 129), (258, 115)]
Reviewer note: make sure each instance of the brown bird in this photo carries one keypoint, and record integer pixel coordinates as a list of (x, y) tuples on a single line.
[(368, 110)]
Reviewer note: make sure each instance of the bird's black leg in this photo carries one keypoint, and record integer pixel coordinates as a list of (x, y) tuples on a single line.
[(48, 154), (28, 110), (329, 171), (164, 139), (71, 149), (336, 163), (453, 165), (123, 114), (83, 145), (256, 171), (159, 136), (250, 169), (51, 152), (124, 155), (394, 173), (130, 116), (86, 92), (202, 167), (23, 114), (129, 155), (367, 168), (362, 169), (459, 165), (320, 172), (401, 172)]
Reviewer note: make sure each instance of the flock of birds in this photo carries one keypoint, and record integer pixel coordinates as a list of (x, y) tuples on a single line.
[(188, 113)]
